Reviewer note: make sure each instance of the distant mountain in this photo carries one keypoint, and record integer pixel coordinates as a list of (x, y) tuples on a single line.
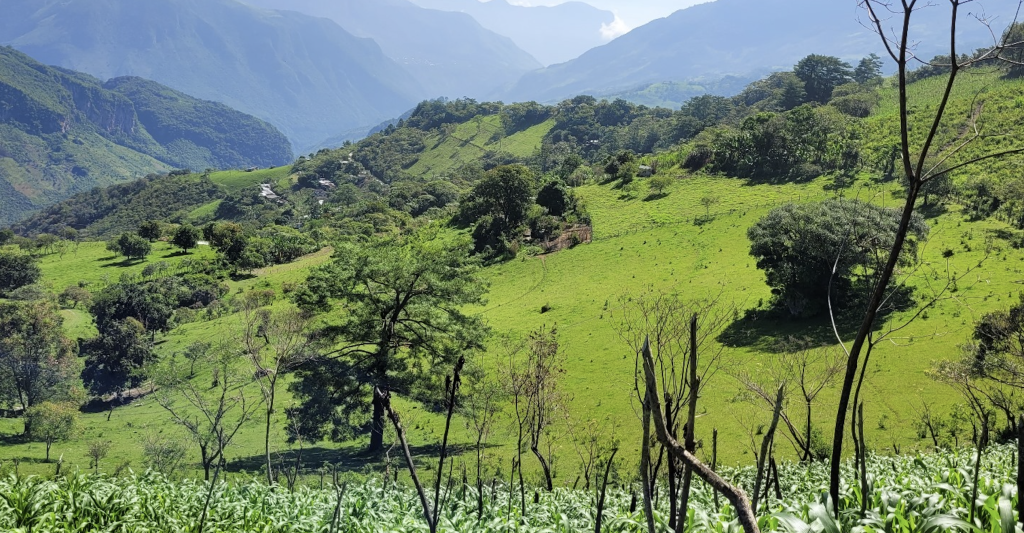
[(449, 54), (305, 75), (740, 37), (552, 34), (63, 132)]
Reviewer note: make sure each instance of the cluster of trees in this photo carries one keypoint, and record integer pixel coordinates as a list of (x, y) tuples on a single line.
[(507, 200), (247, 250), (110, 211)]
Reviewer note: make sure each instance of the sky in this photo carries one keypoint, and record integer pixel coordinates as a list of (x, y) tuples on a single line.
[(629, 13)]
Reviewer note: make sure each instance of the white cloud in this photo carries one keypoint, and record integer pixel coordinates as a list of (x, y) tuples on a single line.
[(616, 28)]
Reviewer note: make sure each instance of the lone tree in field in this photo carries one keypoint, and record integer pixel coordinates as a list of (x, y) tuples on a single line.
[(131, 246), (151, 230), (806, 249), (892, 20), (37, 362), (402, 328), (186, 237), (52, 422)]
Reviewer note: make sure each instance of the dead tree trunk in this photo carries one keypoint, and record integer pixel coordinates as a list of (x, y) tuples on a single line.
[(734, 494), (645, 472), (766, 445), (689, 432)]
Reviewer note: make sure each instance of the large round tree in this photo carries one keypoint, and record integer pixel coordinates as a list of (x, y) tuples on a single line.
[(804, 249)]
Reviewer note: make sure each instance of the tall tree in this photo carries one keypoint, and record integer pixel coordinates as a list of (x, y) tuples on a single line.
[(52, 422), (115, 359), (150, 230), (804, 249), (869, 69), (186, 237), (821, 75), (37, 362), (404, 322), (17, 270), (505, 193), (915, 155), (132, 246)]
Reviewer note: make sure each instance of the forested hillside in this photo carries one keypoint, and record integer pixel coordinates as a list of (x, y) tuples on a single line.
[(307, 76), (63, 132)]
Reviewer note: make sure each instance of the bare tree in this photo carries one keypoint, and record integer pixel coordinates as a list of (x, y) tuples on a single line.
[(211, 418), (431, 510), (274, 344), (916, 171), (801, 370), (677, 330), (734, 494), (480, 407), (536, 367)]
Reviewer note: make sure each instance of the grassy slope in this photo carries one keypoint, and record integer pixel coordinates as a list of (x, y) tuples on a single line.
[(470, 141), (641, 242), (663, 249)]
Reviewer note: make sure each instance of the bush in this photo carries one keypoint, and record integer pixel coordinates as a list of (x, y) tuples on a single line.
[(17, 270)]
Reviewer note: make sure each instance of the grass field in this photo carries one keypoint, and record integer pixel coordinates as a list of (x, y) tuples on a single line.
[(234, 181), (470, 141), (640, 242)]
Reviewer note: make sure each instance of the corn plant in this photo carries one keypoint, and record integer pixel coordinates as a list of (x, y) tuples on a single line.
[(925, 494)]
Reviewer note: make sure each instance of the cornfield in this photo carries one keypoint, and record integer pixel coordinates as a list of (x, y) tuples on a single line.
[(928, 493)]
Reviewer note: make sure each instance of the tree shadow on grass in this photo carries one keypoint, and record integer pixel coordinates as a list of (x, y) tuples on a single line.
[(771, 330), (351, 459), (932, 210), (655, 196), (124, 263), (174, 254), (768, 332)]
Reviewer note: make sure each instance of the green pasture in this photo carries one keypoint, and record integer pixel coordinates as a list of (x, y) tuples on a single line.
[(90, 263), (471, 140), (234, 181), (664, 243)]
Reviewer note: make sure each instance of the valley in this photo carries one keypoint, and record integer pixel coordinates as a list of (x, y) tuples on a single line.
[(785, 303)]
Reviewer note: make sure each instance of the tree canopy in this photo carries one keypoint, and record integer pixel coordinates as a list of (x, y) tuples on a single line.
[(403, 324), (37, 362), (821, 75), (798, 245), (17, 270)]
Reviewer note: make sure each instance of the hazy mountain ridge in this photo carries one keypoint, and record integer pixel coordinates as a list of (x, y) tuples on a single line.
[(739, 38), (449, 54), (305, 75), (552, 34), (63, 132)]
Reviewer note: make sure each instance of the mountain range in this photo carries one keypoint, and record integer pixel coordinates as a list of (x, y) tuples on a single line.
[(63, 132), (323, 71), (745, 38), (305, 75), (552, 34), (448, 54)]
